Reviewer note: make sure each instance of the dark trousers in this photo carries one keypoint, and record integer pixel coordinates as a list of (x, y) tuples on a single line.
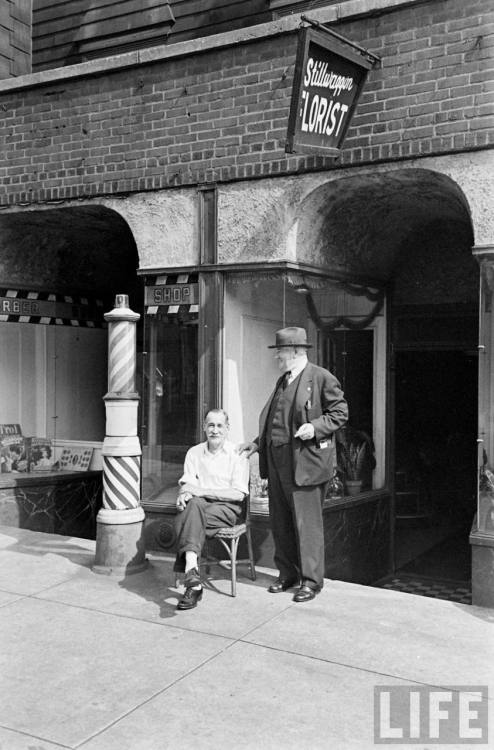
[(296, 521), (201, 518)]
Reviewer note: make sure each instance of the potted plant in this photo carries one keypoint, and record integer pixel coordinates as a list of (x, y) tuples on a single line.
[(354, 451)]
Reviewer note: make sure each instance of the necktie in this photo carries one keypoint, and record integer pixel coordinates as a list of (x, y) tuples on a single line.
[(286, 379)]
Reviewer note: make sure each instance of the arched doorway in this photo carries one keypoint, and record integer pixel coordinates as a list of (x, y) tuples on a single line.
[(411, 229), (434, 337), (60, 269)]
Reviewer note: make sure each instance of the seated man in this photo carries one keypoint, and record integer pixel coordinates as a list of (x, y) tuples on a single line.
[(212, 488)]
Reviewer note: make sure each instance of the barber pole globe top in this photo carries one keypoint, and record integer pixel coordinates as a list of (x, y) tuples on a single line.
[(122, 346)]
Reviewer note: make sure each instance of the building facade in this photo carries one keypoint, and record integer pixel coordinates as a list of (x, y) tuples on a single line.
[(161, 172)]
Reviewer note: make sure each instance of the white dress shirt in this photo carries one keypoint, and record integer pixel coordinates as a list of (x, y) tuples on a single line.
[(222, 470), (298, 364)]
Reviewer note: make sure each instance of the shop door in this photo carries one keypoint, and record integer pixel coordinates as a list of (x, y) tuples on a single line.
[(435, 461)]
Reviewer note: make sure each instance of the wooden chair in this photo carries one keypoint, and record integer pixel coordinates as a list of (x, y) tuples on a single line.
[(229, 537)]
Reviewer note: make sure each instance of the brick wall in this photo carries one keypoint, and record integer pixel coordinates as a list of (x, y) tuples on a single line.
[(222, 114), (436, 89)]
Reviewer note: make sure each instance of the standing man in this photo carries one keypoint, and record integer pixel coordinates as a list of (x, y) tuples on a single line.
[(212, 488), (296, 452)]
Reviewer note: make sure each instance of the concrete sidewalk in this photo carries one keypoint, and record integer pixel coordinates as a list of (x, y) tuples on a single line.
[(101, 663)]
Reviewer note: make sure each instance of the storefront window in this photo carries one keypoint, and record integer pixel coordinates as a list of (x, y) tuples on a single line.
[(53, 372), (169, 407), (485, 509), (350, 356), (346, 325)]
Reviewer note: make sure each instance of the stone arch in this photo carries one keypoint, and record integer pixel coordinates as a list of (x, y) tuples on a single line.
[(412, 230), (370, 224), (85, 248)]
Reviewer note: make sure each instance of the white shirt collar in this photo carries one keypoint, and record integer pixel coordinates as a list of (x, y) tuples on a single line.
[(224, 448), (298, 364)]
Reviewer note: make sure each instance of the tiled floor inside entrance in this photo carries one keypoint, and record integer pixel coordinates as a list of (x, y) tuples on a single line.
[(455, 591), (442, 572)]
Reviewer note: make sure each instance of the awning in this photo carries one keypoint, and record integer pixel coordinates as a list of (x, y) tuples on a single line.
[(47, 308)]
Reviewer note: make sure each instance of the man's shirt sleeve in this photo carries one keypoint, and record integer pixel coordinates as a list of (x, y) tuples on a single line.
[(190, 469), (240, 474)]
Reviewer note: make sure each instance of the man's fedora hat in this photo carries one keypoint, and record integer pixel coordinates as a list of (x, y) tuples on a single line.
[(291, 336)]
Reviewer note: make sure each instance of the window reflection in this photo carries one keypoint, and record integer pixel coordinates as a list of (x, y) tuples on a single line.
[(169, 401), (346, 325), (485, 511), (350, 356)]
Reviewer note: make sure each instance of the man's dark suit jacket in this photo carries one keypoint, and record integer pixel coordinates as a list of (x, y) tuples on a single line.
[(320, 401)]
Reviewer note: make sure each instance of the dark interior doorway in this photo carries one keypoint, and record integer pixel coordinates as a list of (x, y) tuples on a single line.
[(435, 463)]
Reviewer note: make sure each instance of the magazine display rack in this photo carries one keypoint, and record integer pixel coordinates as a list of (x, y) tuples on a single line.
[(45, 486)]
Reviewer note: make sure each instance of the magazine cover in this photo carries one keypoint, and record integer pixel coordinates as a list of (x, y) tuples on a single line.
[(10, 430), (41, 454), (13, 454), (76, 458)]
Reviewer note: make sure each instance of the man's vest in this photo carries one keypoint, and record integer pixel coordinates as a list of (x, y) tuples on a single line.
[(278, 425)]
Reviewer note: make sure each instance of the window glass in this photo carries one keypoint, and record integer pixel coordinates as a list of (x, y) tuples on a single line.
[(350, 356), (485, 510), (351, 330), (169, 401), (53, 372), (345, 324), (256, 306)]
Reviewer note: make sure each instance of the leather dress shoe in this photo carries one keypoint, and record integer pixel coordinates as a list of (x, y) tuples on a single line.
[(192, 578), (190, 599), (282, 584), (305, 594)]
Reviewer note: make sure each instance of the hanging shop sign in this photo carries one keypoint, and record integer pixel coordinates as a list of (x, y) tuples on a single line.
[(172, 293), (48, 308), (329, 76)]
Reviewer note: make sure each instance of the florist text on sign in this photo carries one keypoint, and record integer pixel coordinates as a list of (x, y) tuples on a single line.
[(329, 77)]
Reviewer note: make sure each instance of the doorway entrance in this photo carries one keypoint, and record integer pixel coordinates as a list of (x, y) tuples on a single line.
[(435, 465)]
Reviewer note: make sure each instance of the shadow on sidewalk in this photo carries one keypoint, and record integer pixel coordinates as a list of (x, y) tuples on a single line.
[(156, 584), (77, 551)]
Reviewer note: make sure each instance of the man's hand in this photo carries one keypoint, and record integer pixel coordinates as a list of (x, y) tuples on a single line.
[(182, 500), (247, 449), (305, 432)]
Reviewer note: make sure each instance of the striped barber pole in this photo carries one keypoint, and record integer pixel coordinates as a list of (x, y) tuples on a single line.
[(121, 357), (121, 480)]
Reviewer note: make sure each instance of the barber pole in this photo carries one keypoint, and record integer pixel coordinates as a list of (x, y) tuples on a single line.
[(121, 479), (119, 539), (121, 354)]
